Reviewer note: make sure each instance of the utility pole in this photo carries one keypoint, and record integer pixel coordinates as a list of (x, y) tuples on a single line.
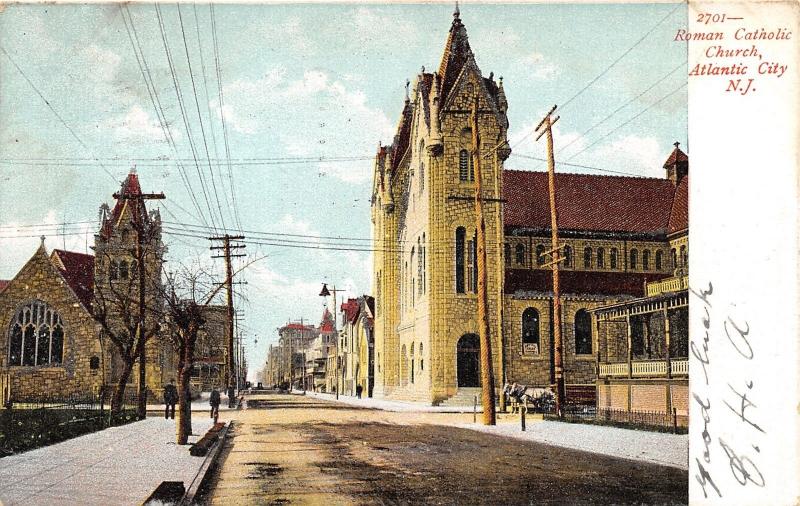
[(487, 372), (139, 222), (227, 247), (546, 127)]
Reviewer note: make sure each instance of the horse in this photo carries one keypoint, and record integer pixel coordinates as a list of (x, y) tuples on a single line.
[(539, 398)]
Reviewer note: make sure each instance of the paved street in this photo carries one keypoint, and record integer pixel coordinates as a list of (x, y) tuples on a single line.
[(300, 450)]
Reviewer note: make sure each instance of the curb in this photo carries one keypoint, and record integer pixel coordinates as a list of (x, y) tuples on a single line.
[(210, 458)]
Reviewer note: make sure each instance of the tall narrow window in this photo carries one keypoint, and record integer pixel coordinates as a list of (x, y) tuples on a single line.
[(475, 262), (646, 260), (460, 237), (540, 255), (634, 259), (567, 256), (674, 258), (659, 260), (471, 266), (123, 269), (507, 253), (463, 165), (519, 253), (583, 332), (113, 270), (684, 256), (419, 267), (613, 258), (601, 258), (530, 331), (424, 265), (413, 361), (587, 258)]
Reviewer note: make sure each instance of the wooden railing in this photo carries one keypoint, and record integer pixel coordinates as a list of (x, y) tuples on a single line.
[(645, 368), (667, 285)]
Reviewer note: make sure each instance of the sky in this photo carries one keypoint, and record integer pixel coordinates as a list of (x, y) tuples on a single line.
[(299, 96)]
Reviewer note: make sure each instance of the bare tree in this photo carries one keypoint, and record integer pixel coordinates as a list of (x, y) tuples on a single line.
[(117, 310)]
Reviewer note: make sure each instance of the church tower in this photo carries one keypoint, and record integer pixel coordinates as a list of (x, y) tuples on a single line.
[(424, 228), (116, 277)]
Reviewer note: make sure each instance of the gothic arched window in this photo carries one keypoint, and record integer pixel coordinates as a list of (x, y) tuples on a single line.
[(601, 258), (613, 258), (507, 253), (36, 336), (540, 255), (659, 260), (460, 237), (587, 258), (583, 332), (646, 260), (530, 331), (634, 259)]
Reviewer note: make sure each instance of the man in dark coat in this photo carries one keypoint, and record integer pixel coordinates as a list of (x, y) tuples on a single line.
[(214, 401), (170, 399)]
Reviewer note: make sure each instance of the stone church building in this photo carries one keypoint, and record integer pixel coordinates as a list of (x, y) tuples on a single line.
[(619, 235), (50, 343)]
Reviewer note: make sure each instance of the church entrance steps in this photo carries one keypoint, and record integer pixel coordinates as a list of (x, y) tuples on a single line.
[(465, 396)]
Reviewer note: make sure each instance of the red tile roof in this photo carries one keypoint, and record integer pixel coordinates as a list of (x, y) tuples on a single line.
[(676, 156), (297, 326), (78, 271), (327, 321), (588, 202), (351, 309), (580, 282), (679, 215)]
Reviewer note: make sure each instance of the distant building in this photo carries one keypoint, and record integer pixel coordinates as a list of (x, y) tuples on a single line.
[(210, 350), (357, 346)]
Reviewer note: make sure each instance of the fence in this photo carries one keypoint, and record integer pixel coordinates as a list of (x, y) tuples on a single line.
[(658, 420), (27, 423)]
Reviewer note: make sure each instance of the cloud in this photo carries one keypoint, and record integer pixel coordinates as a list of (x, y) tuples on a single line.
[(539, 67), (104, 62), (136, 125), (313, 116), (633, 153)]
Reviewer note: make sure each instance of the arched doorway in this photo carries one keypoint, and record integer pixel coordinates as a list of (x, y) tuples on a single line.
[(468, 361)]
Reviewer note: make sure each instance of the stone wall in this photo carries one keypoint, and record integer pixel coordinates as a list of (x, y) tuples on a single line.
[(39, 280)]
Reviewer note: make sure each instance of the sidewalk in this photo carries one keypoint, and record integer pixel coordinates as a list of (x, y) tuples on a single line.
[(119, 465), (385, 405), (198, 405), (644, 446)]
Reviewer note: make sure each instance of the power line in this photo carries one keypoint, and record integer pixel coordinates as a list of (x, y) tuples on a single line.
[(520, 155), (629, 120), (620, 57), (199, 115), (184, 116), (156, 101), (680, 65), (53, 110)]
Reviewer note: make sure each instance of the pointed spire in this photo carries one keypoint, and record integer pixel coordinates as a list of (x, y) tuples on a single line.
[(42, 239), (407, 85), (457, 13)]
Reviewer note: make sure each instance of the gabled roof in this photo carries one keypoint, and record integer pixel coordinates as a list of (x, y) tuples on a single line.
[(77, 269), (129, 187), (679, 215), (326, 324), (351, 309), (677, 156), (589, 203), (403, 136)]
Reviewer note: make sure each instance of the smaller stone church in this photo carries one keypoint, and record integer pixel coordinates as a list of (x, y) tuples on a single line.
[(51, 344)]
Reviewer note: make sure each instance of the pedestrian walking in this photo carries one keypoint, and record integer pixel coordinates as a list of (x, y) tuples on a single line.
[(170, 399), (214, 401), (359, 389)]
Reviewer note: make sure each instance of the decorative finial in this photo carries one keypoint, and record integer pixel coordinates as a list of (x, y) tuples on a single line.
[(676, 144), (42, 238), (423, 70), (457, 13), (133, 169), (501, 81), (407, 85), (491, 76)]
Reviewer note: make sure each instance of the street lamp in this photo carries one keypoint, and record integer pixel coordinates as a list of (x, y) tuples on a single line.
[(324, 293)]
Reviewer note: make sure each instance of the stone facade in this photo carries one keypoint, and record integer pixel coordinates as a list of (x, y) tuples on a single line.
[(41, 281), (611, 243)]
